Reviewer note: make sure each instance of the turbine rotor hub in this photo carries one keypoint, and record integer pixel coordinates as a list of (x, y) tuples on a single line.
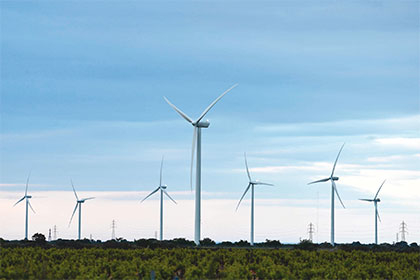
[(203, 124)]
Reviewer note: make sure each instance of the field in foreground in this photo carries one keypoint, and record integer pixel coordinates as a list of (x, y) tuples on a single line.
[(190, 263)]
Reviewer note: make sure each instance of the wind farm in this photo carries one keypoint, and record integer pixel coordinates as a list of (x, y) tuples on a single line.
[(108, 107)]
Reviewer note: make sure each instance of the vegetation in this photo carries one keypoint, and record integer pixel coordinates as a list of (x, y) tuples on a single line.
[(55, 260)]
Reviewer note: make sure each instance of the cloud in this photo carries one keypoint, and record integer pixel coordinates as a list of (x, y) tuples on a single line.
[(283, 219), (410, 143)]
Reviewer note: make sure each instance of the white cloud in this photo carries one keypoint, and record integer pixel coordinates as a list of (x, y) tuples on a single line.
[(282, 219), (411, 143)]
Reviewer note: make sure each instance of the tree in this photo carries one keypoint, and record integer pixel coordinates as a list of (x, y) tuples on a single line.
[(38, 237)]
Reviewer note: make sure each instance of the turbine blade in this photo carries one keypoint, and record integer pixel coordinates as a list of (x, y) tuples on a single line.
[(379, 189), (247, 169), (339, 198), (188, 119), (89, 198), (74, 211), (167, 194), (30, 205), (265, 184), (192, 156), (19, 201), (335, 163), (161, 167), (75, 194), (363, 199), (27, 183), (150, 194), (379, 217), (246, 190), (319, 181), (214, 102)]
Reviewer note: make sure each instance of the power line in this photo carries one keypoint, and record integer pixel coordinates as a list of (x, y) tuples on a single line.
[(403, 231), (113, 226), (55, 232), (311, 231)]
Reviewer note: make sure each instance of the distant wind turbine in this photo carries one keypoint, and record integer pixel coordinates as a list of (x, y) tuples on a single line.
[(333, 189), (28, 203), (162, 189), (251, 185), (78, 204), (197, 124), (375, 200)]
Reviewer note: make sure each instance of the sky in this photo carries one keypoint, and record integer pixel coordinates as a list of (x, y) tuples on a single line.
[(82, 87)]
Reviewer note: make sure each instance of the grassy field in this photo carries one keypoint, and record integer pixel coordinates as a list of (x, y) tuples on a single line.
[(193, 263)]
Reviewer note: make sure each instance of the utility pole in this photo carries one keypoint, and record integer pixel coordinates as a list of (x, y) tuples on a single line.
[(311, 231), (49, 235), (397, 237), (55, 232), (403, 230), (113, 226)]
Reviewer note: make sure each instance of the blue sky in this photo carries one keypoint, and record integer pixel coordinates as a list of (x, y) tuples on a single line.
[(82, 86)]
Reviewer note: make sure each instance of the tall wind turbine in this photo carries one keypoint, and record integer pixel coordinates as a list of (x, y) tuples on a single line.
[(78, 204), (333, 189), (162, 189), (28, 203), (197, 124), (251, 185), (375, 200)]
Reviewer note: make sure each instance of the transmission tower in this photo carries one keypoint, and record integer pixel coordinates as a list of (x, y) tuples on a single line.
[(403, 231), (311, 231), (113, 226), (55, 232), (49, 235)]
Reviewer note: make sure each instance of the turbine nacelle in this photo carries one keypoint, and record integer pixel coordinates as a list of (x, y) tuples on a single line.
[(163, 187), (335, 178), (28, 196), (203, 124)]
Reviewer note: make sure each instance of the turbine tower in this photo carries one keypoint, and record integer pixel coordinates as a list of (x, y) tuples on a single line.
[(251, 185), (78, 205), (333, 189), (197, 124), (375, 200), (28, 203), (162, 189)]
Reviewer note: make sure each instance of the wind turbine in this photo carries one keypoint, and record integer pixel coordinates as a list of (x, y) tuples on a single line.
[(375, 200), (251, 185), (78, 204), (28, 203), (162, 189), (197, 124), (333, 189)]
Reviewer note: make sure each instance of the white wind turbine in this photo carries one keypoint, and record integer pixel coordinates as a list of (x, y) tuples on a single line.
[(162, 189), (78, 204), (375, 200), (28, 203), (333, 189), (251, 185), (197, 124)]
